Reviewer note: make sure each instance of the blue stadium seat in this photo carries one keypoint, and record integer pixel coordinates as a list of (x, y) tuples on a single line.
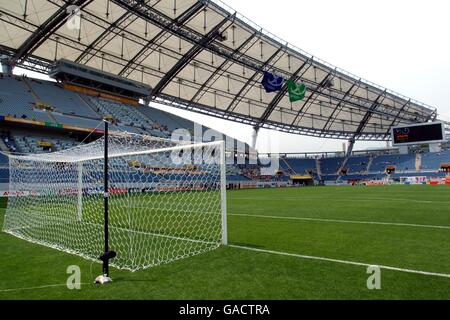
[(402, 162), (357, 164), (433, 161), (300, 166), (4, 175), (65, 101), (330, 165), (17, 101), (3, 160)]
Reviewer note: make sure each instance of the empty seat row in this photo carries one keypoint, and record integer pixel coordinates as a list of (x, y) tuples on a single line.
[(64, 101), (402, 162), (433, 161)]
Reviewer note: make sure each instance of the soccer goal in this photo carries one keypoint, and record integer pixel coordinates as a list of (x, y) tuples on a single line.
[(166, 200)]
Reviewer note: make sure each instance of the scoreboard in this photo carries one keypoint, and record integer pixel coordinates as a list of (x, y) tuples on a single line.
[(430, 132)]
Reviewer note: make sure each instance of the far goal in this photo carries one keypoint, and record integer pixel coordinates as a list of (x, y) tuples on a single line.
[(166, 200)]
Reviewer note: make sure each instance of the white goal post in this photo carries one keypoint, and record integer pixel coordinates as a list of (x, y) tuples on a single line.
[(166, 200)]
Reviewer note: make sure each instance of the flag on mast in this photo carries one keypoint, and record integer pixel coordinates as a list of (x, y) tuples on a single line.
[(272, 82), (297, 91)]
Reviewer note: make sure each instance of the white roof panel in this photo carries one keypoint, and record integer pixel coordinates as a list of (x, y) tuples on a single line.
[(203, 56)]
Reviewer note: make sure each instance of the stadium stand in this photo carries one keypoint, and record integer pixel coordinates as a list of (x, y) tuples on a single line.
[(299, 166), (402, 162), (39, 144), (167, 121), (3, 159), (371, 166), (285, 167), (352, 177), (330, 166), (8, 141), (76, 121), (20, 97), (330, 178), (433, 161), (17, 101), (235, 178), (46, 101), (64, 101), (357, 165), (419, 174), (4, 175), (122, 114)]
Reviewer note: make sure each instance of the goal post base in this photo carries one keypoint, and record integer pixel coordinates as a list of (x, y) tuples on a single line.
[(103, 279)]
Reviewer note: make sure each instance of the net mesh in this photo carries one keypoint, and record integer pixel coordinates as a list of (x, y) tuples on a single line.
[(164, 200)]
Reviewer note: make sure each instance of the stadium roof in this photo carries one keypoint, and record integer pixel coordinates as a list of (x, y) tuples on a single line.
[(203, 56)]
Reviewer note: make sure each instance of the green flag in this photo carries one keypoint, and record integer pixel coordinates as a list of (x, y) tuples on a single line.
[(297, 91)]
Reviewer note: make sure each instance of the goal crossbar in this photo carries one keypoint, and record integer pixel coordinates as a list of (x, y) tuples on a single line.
[(43, 158)]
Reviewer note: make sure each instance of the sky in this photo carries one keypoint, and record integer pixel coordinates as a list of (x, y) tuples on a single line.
[(401, 45)]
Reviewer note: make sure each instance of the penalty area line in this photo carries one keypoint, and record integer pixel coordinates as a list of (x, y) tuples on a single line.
[(354, 263)]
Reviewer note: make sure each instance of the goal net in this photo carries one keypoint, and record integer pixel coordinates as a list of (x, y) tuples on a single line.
[(166, 200)]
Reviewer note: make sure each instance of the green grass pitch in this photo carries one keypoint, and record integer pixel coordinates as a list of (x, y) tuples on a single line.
[(278, 238)]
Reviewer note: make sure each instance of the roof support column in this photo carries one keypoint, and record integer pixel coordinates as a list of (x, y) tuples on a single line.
[(360, 129), (7, 65), (255, 137)]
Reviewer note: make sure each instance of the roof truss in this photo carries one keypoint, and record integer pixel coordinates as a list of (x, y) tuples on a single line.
[(199, 55)]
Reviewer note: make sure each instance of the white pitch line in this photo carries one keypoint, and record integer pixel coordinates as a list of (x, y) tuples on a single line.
[(39, 287), (342, 199), (426, 273), (342, 221)]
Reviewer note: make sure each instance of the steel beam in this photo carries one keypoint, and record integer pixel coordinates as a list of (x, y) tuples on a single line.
[(368, 115), (86, 55), (240, 95), (316, 91), (221, 114), (221, 68), (190, 55), (152, 45), (338, 106), (46, 29), (273, 104)]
